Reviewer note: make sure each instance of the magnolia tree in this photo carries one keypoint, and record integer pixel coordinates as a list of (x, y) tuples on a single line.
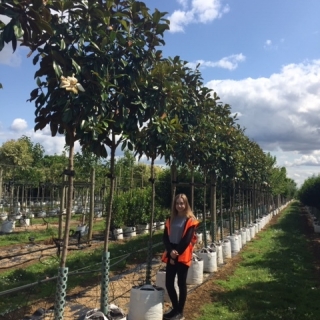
[(94, 57)]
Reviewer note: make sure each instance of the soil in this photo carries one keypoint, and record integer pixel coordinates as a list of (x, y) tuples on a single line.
[(86, 297)]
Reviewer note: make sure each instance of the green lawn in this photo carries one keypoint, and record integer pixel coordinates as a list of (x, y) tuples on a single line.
[(275, 279)]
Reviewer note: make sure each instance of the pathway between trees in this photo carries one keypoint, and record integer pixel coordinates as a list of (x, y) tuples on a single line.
[(211, 292)]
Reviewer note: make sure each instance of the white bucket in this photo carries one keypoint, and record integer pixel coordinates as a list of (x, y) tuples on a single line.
[(234, 239), (8, 226), (239, 239), (14, 216), (208, 236), (143, 228), (83, 229), (41, 214), (52, 213), (114, 312), (218, 248), (25, 222), (130, 232), (316, 228), (259, 225), (98, 214), (118, 233), (209, 257), (161, 282), (243, 236), (248, 234), (3, 216), (195, 271), (146, 303), (252, 231), (226, 249), (199, 238), (16, 210), (160, 225)]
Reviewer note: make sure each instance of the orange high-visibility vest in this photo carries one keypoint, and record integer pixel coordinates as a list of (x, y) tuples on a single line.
[(186, 256)]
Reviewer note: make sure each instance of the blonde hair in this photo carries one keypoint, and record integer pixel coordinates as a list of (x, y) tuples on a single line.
[(188, 211)]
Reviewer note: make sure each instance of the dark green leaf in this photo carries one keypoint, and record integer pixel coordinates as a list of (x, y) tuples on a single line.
[(156, 16), (14, 43), (37, 4), (53, 128), (76, 66), (18, 31), (36, 59), (62, 44), (130, 146), (46, 27), (161, 28), (112, 36), (57, 69)]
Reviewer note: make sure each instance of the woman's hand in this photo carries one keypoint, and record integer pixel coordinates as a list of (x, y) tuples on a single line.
[(174, 254)]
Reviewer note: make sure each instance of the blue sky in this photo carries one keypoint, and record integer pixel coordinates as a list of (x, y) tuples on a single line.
[(261, 57)]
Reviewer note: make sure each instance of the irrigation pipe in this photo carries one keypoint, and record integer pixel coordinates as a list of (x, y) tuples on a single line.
[(24, 253), (71, 273), (54, 278)]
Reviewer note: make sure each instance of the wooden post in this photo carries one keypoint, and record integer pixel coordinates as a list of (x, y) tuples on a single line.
[(213, 205), (62, 205), (92, 185), (1, 182), (192, 189)]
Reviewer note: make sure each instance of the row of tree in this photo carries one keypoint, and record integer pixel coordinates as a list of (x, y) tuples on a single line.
[(102, 81), (25, 163), (309, 192)]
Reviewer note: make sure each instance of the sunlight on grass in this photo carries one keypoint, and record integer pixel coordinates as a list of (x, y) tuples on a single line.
[(273, 281)]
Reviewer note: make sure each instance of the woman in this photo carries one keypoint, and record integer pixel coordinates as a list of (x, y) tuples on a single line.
[(178, 238)]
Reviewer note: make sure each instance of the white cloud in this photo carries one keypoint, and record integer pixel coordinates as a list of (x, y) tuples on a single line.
[(281, 112), (196, 11), (19, 125), (312, 159), (231, 62), (52, 145), (10, 58), (6, 54), (269, 45), (183, 3)]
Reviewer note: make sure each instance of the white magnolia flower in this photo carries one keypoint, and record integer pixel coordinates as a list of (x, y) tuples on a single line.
[(71, 84)]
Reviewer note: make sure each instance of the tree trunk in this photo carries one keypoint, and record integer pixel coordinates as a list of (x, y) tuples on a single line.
[(192, 189), (152, 180), (62, 206), (111, 194), (173, 184), (1, 182), (91, 204), (69, 204), (213, 205)]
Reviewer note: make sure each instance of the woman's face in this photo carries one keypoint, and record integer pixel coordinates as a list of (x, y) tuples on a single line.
[(180, 205)]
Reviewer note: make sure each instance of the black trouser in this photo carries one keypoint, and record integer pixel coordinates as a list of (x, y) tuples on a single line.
[(181, 270)]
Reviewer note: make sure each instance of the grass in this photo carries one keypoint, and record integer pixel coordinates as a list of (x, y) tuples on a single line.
[(275, 279), (41, 235), (77, 260)]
